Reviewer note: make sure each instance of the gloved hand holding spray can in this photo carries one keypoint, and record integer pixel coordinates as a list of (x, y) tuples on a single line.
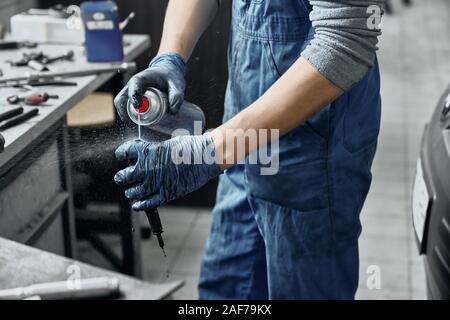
[(155, 178)]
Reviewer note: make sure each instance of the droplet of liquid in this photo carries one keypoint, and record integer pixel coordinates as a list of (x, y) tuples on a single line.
[(167, 264)]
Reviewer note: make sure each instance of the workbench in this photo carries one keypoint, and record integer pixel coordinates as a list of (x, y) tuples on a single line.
[(36, 205), (22, 265)]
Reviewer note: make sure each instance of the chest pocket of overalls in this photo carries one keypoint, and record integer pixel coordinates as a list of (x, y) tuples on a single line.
[(269, 36)]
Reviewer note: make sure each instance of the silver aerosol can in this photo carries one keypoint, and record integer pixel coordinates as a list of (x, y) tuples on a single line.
[(153, 113)]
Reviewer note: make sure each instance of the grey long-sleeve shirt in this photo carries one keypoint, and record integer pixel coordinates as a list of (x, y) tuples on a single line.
[(345, 40)]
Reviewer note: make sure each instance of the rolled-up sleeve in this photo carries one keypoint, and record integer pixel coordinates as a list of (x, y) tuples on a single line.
[(345, 41)]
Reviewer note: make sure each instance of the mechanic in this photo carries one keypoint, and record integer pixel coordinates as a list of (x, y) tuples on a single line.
[(307, 68)]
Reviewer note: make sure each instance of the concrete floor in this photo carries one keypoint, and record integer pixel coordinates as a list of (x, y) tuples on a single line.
[(414, 57), (186, 232)]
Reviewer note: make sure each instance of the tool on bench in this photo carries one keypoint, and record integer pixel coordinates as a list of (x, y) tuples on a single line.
[(36, 65), (33, 99), (10, 114), (124, 23), (20, 119), (10, 45), (59, 83), (31, 84), (26, 58), (68, 56), (2, 143), (75, 289), (51, 76), (40, 61)]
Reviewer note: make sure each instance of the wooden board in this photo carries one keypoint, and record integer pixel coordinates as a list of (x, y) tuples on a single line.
[(96, 110)]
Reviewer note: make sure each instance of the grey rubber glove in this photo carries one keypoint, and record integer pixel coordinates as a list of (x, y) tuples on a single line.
[(166, 72), (167, 170)]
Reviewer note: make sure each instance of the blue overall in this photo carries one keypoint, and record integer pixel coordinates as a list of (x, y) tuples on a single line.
[(293, 235)]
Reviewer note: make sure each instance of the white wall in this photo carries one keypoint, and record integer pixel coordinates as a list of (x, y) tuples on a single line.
[(10, 7)]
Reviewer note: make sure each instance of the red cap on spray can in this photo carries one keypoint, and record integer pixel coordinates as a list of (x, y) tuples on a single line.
[(145, 105)]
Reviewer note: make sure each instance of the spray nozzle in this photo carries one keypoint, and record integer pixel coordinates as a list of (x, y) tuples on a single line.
[(145, 105)]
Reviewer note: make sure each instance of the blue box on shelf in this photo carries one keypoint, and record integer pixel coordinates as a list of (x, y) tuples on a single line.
[(103, 35)]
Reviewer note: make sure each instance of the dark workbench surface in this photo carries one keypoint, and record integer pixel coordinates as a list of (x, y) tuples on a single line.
[(22, 265)]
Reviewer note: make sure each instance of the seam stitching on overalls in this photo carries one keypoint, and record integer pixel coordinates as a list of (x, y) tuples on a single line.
[(330, 198), (237, 67), (279, 37), (252, 274), (276, 19), (276, 38), (260, 239), (267, 51), (316, 132)]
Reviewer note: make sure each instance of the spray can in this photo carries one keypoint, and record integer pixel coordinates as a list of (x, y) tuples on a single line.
[(153, 113)]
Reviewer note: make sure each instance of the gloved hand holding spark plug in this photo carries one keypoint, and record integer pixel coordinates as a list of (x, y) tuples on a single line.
[(166, 72), (167, 170)]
